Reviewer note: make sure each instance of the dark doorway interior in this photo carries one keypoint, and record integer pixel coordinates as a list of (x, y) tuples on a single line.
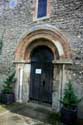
[(41, 75)]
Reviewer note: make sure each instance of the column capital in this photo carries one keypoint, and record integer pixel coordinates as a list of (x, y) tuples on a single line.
[(62, 61), (22, 62)]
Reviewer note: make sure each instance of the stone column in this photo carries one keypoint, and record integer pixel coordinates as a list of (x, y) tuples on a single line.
[(62, 77), (68, 72), (19, 84), (55, 93), (59, 81), (58, 85), (23, 82), (26, 82)]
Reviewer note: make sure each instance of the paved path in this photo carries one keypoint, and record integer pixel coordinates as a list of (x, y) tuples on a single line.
[(26, 114), (16, 119)]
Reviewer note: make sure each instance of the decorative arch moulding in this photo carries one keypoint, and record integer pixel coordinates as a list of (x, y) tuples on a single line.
[(48, 32)]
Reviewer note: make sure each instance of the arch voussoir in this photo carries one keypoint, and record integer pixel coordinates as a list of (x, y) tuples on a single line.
[(52, 36)]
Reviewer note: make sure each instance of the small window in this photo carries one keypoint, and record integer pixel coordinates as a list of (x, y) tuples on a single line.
[(42, 8)]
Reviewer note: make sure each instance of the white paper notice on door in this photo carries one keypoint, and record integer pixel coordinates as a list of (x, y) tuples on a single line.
[(38, 71)]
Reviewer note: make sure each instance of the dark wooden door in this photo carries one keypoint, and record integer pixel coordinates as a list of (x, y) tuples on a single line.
[(41, 75)]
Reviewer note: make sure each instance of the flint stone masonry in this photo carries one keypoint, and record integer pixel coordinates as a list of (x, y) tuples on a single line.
[(66, 15)]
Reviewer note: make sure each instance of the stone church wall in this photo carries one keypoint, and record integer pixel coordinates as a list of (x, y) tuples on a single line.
[(15, 23)]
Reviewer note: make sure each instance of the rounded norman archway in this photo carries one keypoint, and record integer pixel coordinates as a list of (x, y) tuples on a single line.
[(54, 40), (40, 65)]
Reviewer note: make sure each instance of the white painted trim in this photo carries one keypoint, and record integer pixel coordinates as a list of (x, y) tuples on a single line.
[(41, 18)]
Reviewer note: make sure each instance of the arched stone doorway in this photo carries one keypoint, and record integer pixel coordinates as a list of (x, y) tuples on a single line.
[(56, 45)]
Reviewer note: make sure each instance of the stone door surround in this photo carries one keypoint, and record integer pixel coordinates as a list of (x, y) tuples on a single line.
[(58, 44)]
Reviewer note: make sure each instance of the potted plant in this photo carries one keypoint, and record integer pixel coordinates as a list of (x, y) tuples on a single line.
[(69, 105), (7, 95)]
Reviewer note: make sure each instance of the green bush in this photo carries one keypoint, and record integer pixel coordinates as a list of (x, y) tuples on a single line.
[(8, 83), (70, 99), (53, 118)]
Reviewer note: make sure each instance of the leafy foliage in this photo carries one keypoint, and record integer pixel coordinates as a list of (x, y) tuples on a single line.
[(70, 100), (8, 84)]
